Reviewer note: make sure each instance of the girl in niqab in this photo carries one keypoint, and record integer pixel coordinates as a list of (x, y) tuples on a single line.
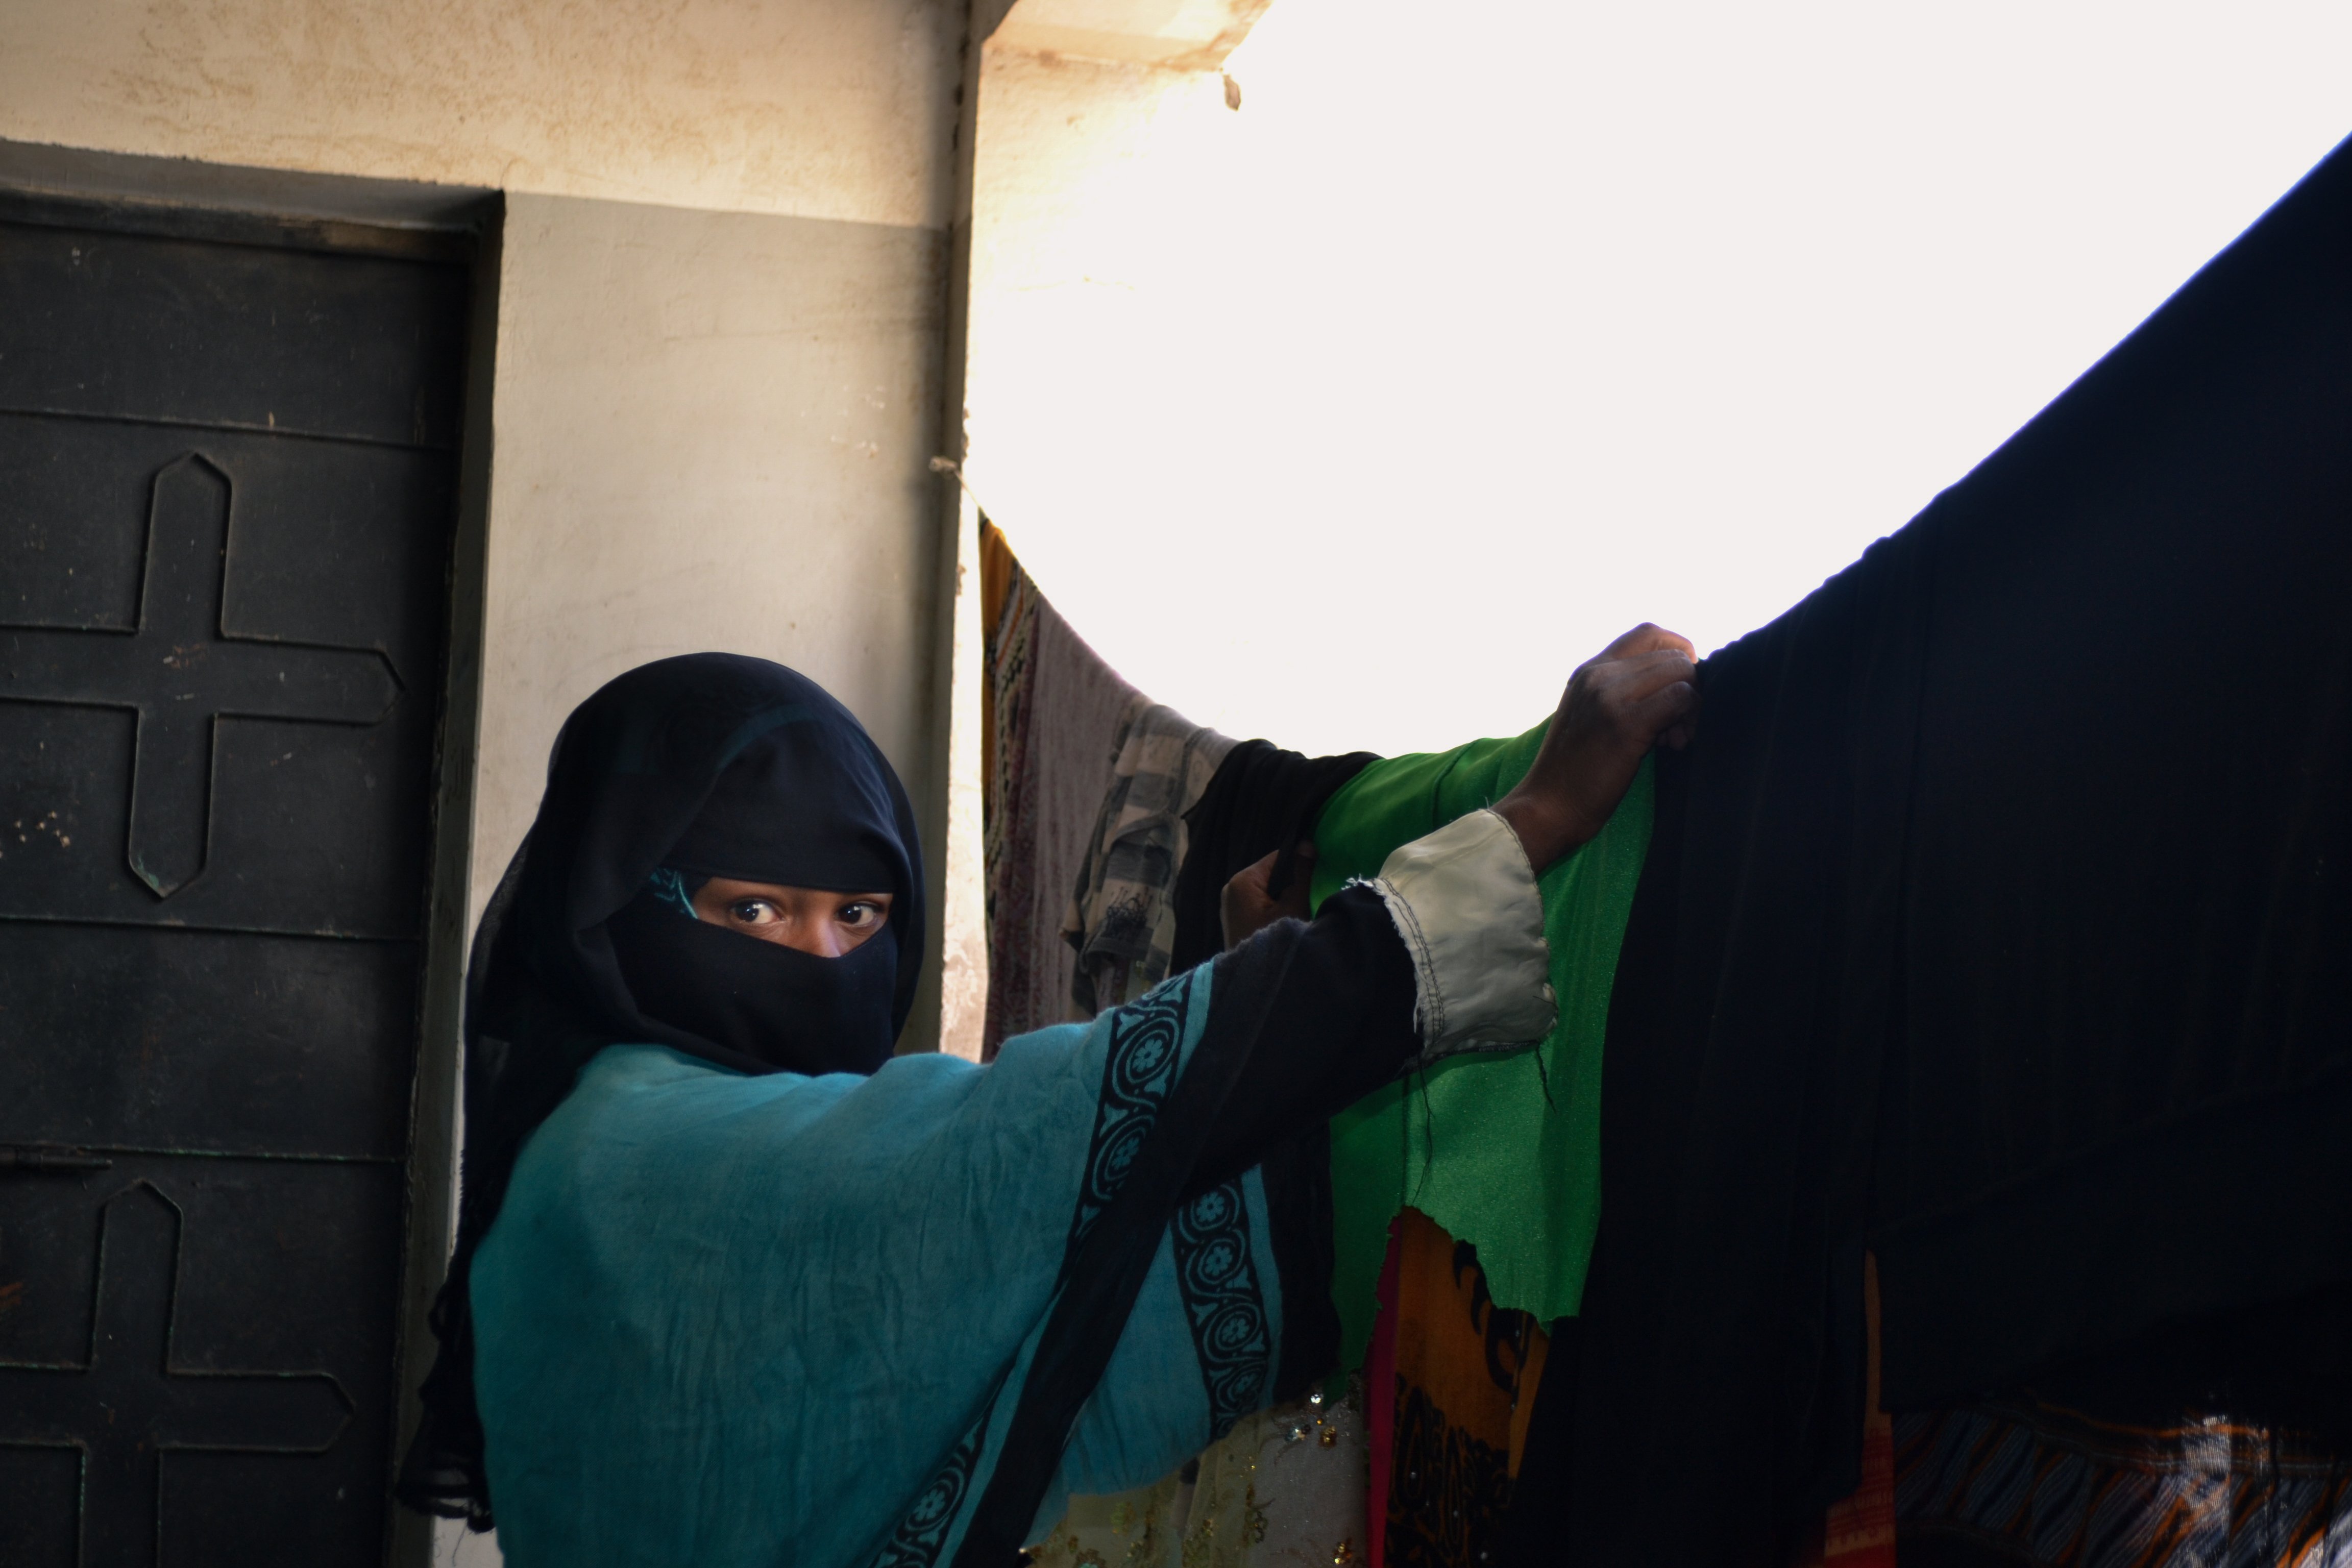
[(735, 1286)]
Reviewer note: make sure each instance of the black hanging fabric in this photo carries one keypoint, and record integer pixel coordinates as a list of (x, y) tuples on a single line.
[(1262, 799), (1998, 920)]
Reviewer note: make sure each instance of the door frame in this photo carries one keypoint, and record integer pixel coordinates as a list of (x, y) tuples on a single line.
[(349, 214)]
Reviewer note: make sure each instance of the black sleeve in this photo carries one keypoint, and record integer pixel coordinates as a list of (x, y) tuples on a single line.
[(1303, 1018), (1336, 997)]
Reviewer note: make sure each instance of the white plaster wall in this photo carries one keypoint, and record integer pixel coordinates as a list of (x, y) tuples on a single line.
[(704, 427), (816, 108), (721, 325), (711, 432), (709, 428)]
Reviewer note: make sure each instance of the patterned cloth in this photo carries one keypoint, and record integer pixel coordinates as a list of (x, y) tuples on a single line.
[(1858, 1530), (1284, 1489), (1055, 717), (1009, 648), (1462, 1375), (2023, 1484), (1122, 922)]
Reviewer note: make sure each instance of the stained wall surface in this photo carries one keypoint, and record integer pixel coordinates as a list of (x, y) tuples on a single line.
[(712, 432), (832, 108), (720, 310), (719, 329)]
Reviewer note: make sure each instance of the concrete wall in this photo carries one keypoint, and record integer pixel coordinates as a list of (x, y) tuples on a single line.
[(719, 336), (712, 431), (818, 108), (729, 328), (719, 308)]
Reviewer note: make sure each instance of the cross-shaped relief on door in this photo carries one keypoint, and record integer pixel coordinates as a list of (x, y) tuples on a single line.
[(182, 671), (125, 1405)]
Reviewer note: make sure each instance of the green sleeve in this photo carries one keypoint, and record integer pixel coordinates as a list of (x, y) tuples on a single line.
[(1503, 1150)]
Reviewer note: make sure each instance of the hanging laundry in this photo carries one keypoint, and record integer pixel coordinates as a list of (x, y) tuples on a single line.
[(1122, 922), (1284, 1489), (2226, 1440), (1458, 1377), (1502, 1152), (1086, 787), (1858, 1531), (1261, 801), (1999, 919), (2023, 1484), (1511, 1155), (1055, 716)]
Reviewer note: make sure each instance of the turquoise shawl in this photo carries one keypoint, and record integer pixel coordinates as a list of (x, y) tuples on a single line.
[(705, 1289)]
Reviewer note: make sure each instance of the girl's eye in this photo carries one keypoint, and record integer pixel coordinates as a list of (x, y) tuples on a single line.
[(752, 912), (858, 915)]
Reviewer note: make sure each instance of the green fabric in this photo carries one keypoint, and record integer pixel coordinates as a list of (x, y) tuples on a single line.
[(1502, 1151)]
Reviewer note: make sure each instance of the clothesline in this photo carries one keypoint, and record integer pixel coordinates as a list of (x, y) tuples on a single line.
[(1997, 925), (1489, 1165)]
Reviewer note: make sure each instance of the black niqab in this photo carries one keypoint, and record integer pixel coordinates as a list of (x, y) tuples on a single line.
[(711, 764)]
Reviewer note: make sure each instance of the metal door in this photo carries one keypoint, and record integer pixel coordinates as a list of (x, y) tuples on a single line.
[(228, 471)]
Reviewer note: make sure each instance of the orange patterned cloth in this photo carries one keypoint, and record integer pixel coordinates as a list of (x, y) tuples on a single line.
[(1859, 1531), (1465, 1375)]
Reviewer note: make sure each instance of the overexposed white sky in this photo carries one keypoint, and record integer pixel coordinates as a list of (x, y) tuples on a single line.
[(1486, 330)]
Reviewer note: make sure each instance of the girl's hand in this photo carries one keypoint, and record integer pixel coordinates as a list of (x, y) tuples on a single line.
[(1637, 691), (1246, 907)]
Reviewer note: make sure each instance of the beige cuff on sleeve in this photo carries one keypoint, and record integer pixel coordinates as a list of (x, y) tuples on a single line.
[(1464, 901)]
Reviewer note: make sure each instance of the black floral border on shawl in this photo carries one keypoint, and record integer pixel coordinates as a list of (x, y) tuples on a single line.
[(1112, 1248), (915, 1542), (1147, 1048), (1217, 1278), (1141, 1074)]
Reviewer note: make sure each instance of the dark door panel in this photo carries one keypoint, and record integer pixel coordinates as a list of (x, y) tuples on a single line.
[(274, 612), (321, 556), (227, 501), (221, 1042), (228, 1320), (144, 326)]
